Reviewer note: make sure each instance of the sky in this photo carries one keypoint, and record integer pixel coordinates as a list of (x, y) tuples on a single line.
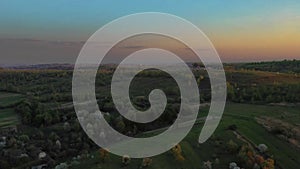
[(44, 31)]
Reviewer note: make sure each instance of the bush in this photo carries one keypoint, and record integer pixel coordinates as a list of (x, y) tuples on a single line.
[(232, 127), (232, 146)]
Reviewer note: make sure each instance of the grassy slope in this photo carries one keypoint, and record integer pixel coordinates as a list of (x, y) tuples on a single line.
[(240, 114), (260, 77), (285, 154), (7, 115), (9, 99), (8, 118)]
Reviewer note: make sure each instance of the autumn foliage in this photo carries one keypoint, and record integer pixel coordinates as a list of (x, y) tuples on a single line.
[(177, 152), (146, 162), (104, 154), (251, 158)]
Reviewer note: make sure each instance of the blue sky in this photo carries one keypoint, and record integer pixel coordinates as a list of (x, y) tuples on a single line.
[(77, 19), (242, 30)]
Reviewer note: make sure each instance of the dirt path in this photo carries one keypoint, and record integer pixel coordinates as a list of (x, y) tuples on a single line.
[(245, 140)]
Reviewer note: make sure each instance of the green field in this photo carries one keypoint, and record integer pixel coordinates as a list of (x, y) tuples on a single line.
[(242, 115), (7, 115), (286, 155), (9, 99), (256, 100), (8, 118)]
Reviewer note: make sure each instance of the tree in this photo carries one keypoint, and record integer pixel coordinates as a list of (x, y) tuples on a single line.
[(47, 119), (146, 162), (264, 164), (104, 154), (259, 159), (207, 165), (26, 117), (58, 144), (4, 164), (217, 161), (67, 126), (11, 142), (177, 152), (232, 127), (200, 79), (232, 146), (230, 92), (269, 98), (269, 164), (126, 160), (61, 166), (120, 125), (256, 166), (53, 136), (232, 165), (38, 120), (24, 110), (24, 138), (262, 148), (107, 117)]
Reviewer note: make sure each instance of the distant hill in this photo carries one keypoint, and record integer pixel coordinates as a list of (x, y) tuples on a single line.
[(44, 67), (285, 66)]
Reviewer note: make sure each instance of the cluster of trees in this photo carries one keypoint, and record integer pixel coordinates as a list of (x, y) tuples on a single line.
[(264, 93), (55, 86), (47, 85), (105, 156), (34, 113), (232, 147), (125, 126), (254, 160), (250, 157), (285, 66), (63, 142)]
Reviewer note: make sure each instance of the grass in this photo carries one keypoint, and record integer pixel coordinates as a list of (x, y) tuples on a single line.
[(8, 118), (285, 154), (242, 115), (261, 77), (7, 115), (9, 99)]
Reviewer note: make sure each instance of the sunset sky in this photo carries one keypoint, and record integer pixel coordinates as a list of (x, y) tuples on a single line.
[(40, 31)]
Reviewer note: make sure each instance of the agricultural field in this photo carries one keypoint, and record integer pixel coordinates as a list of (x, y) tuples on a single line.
[(8, 99), (8, 117)]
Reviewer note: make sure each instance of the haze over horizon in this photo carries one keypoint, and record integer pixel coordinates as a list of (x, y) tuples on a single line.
[(36, 32)]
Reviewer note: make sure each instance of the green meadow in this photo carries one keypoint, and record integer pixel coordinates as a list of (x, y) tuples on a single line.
[(243, 116), (8, 117)]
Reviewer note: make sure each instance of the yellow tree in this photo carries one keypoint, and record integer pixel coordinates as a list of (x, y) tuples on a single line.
[(104, 154), (146, 162), (177, 152)]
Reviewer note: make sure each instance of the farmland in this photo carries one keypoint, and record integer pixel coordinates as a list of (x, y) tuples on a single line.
[(39, 103), (9, 99), (8, 117)]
